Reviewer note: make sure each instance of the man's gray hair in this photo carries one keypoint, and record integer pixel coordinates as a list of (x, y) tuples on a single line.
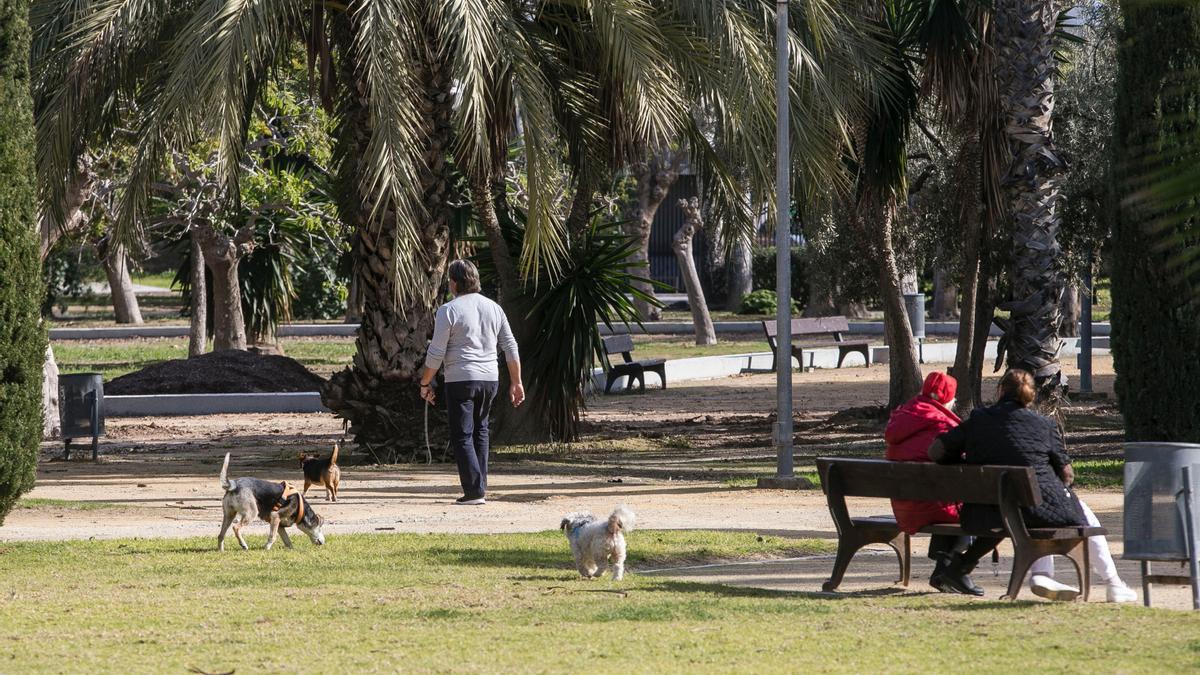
[(465, 276)]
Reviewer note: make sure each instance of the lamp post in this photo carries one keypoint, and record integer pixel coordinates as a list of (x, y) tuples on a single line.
[(784, 475), (1085, 332)]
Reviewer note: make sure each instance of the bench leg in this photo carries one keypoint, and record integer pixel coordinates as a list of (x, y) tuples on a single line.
[(609, 383), (847, 547), (905, 559), (1080, 559), (1022, 561), (866, 352)]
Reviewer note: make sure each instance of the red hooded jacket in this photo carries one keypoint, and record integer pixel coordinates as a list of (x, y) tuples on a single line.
[(910, 431)]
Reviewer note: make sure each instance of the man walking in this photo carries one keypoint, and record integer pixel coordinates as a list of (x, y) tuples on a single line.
[(466, 334)]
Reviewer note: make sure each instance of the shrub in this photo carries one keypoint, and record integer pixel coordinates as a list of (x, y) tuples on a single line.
[(763, 302), (763, 271), (22, 335)]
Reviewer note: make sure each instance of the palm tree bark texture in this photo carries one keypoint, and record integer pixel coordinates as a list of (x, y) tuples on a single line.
[(377, 394), (1155, 283), (1025, 77)]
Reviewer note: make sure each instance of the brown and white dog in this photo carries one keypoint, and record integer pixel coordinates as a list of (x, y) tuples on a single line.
[(324, 472)]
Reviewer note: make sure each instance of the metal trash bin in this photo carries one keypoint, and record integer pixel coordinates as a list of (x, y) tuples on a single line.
[(81, 409), (1161, 485)]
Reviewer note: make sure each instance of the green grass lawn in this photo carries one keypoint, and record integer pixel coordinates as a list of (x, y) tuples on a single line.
[(460, 603), (159, 280)]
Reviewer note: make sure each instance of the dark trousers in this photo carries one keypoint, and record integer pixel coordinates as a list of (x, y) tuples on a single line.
[(941, 544), (468, 405)]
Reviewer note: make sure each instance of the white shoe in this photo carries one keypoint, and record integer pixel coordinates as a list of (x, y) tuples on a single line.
[(1045, 587), (1119, 592)]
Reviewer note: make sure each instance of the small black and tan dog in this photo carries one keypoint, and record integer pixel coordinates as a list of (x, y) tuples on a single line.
[(324, 472), (276, 503)]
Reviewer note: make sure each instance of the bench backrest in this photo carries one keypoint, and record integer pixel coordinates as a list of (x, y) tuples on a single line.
[(823, 325), (618, 344), (927, 481)]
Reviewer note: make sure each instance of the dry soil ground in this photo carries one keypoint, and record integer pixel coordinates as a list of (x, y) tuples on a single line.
[(668, 454)]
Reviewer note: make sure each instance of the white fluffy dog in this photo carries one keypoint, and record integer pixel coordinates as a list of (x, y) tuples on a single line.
[(597, 543)]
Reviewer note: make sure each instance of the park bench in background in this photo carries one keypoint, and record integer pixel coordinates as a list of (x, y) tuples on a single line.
[(628, 367), (1009, 487), (830, 327)]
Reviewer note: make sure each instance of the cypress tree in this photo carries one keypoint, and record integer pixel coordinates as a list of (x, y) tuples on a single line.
[(22, 336), (1156, 299)]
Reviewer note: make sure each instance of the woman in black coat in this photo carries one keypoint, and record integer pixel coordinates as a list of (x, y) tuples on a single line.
[(1008, 433)]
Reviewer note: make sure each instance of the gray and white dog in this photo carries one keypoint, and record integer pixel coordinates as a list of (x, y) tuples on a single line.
[(279, 504), (596, 543)]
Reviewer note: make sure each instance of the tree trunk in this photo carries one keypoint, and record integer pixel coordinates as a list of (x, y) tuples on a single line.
[(124, 300), (739, 273), (682, 244), (655, 176), (51, 424), (223, 254), (1025, 79), (79, 191), (198, 321), (945, 297), (874, 221), (377, 394), (909, 283), (1071, 311)]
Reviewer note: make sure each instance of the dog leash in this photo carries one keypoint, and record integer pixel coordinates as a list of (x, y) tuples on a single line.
[(428, 451)]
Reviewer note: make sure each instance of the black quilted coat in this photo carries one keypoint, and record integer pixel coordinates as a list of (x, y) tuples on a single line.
[(1012, 435)]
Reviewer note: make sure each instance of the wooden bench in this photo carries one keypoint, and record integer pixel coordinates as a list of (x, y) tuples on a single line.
[(1009, 487), (634, 370), (827, 326)]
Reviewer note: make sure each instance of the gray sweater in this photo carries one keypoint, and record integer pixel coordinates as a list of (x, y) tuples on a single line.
[(466, 334)]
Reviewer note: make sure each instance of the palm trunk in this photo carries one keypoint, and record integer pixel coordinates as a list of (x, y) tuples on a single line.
[(124, 300), (971, 224), (198, 322), (378, 395), (1025, 78), (682, 244)]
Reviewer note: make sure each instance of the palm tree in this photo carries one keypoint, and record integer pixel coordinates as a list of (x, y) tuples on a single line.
[(1025, 68), (1155, 256), (423, 88)]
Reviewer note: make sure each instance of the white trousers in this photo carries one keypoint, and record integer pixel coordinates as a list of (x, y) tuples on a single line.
[(1102, 560)]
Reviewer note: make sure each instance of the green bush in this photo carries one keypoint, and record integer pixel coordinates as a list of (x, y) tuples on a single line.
[(763, 271), (763, 302), (22, 335)]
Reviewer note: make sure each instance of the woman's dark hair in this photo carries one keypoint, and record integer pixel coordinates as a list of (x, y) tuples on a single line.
[(1018, 385), (465, 276)]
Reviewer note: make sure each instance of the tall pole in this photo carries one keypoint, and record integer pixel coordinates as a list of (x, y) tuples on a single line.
[(783, 246), (1085, 332)]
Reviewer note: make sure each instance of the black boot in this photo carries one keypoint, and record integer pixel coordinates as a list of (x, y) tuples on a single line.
[(939, 569), (955, 577)]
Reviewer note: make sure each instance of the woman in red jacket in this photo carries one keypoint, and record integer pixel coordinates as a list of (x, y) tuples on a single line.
[(910, 431)]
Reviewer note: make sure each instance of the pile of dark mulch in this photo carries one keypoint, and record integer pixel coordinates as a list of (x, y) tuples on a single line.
[(224, 372)]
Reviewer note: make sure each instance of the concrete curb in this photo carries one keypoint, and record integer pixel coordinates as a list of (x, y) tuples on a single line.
[(212, 404)]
